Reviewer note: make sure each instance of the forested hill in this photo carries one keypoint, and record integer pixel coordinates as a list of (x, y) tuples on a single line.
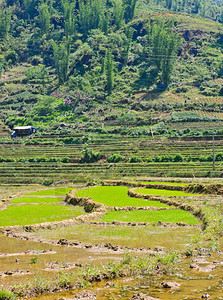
[(65, 64)]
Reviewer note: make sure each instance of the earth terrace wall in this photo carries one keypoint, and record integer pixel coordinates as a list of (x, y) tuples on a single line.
[(145, 185), (91, 206), (216, 189)]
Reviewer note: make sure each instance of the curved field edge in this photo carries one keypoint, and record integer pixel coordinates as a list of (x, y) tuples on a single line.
[(212, 224), (212, 220)]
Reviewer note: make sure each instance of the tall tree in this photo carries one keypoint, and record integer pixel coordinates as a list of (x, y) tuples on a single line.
[(69, 18), (129, 9), (61, 56), (89, 14), (109, 71), (5, 18), (44, 18), (118, 13), (162, 49)]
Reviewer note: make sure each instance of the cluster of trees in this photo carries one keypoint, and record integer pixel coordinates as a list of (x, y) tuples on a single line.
[(163, 44), (58, 24), (205, 8)]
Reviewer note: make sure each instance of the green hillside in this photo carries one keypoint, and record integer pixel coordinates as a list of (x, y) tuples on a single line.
[(69, 67)]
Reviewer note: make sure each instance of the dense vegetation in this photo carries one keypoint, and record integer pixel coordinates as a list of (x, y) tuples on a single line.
[(71, 65)]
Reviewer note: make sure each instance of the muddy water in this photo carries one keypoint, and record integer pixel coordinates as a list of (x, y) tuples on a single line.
[(193, 284), (18, 256)]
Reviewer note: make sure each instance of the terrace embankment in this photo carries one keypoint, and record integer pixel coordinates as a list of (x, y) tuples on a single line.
[(216, 189), (145, 185)]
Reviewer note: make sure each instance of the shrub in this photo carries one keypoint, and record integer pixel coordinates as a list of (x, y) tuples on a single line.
[(166, 158), (135, 159), (41, 159), (47, 182), (149, 159), (89, 156), (7, 159), (115, 158), (65, 159), (6, 295), (178, 158), (157, 158), (202, 158), (219, 157)]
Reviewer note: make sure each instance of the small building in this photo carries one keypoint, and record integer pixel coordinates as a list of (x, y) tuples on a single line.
[(22, 131)]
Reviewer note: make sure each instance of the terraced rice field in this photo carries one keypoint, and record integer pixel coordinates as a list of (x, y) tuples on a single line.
[(166, 193), (167, 216), (38, 207), (74, 171), (115, 196)]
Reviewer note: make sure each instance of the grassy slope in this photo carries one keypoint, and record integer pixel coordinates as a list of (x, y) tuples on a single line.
[(203, 37)]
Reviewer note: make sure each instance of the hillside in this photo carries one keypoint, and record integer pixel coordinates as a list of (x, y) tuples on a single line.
[(141, 69)]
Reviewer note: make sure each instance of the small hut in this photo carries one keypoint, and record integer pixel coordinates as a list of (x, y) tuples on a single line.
[(23, 131)]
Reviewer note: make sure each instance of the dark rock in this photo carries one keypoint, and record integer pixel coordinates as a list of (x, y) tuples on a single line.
[(62, 242), (142, 296), (205, 296)]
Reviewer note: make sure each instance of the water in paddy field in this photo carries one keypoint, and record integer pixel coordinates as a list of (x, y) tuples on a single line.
[(17, 255), (22, 261), (193, 284)]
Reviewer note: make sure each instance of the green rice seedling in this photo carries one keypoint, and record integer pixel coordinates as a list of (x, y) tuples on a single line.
[(52, 192), (32, 214), (37, 200), (34, 259), (129, 236), (169, 216), (116, 196), (167, 193)]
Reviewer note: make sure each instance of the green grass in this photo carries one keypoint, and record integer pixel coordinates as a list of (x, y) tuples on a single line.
[(169, 216), (167, 183), (52, 192), (167, 193), (37, 200), (116, 196), (32, 214)]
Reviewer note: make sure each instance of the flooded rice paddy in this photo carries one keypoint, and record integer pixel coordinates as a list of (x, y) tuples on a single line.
[(38, 256)]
